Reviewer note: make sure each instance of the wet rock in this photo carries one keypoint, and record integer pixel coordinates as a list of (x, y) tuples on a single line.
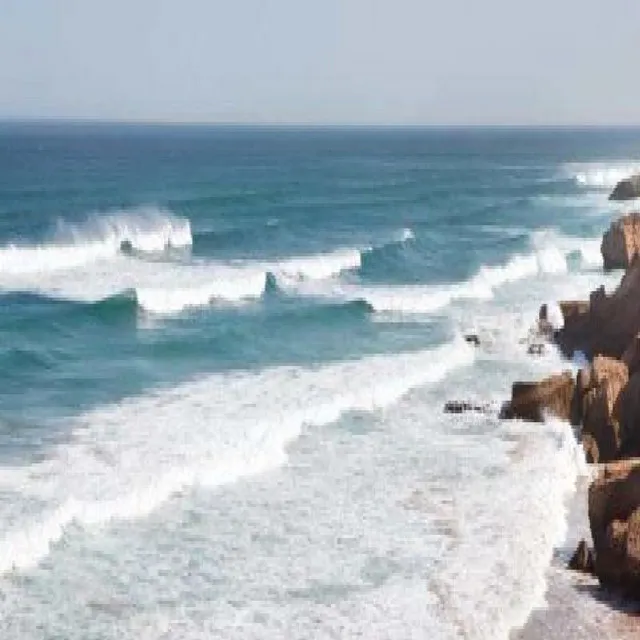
[(544, 328), (533, 401), (621, 243), (461, 406), (582, 559), (597, 406), (626, 189), (536, 349)]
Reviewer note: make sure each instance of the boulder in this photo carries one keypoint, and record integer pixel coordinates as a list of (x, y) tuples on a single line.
[(609, 324), (533, 401), (536, 349), (626, 189), (621, 243), (614, 519), (462, 406), (582, 559), (472, 339), (597, 405)]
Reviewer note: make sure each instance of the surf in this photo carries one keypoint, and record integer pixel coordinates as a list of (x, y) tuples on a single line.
[(208, 432), (98, 237)]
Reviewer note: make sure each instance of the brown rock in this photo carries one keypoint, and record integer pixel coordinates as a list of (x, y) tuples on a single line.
[(626, 189), (621, 243), (590, 446), (614, 518), (573, 308), (629, 411), (582, 559), (598, 407), (534, 400), (610, 323)]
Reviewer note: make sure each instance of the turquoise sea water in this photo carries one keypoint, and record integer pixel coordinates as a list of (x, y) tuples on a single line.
[(224, 357)]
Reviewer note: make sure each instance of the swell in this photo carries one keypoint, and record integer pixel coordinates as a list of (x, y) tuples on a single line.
[(38, 309), (126, 459)]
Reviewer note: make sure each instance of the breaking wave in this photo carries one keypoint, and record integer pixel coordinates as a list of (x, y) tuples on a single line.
[(551, 254), (145, 230), (602, 175)]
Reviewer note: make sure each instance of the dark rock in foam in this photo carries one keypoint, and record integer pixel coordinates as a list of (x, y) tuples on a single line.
[(627, 189)]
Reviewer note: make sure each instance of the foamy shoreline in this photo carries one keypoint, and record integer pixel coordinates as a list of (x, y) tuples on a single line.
[(576, 607)]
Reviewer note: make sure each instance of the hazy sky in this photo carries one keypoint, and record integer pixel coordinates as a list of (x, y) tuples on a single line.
[(365, 61)]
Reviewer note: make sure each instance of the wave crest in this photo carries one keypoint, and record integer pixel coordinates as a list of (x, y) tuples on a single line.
[(145, 230)]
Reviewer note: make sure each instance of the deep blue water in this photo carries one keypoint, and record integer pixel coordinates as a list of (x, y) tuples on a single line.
[(289, 271)]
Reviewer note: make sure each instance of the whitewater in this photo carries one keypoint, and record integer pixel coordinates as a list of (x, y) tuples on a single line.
[(221, 405)]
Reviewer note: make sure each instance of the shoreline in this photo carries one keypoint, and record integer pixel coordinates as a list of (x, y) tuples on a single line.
[(601, 591), (576, 607)]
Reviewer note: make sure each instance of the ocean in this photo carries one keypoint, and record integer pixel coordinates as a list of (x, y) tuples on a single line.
[(224, 359)]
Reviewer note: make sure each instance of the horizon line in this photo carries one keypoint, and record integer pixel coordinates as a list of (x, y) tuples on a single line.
[(73, 120)]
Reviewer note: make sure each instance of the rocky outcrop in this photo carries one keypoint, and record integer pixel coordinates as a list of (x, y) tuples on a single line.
[(614, 518), (598, 407), (626, 189), (583, 559), (533, 401), (573, 308), (609, 324), (621, 243)]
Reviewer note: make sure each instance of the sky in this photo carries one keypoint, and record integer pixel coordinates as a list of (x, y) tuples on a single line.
[(433, 62)]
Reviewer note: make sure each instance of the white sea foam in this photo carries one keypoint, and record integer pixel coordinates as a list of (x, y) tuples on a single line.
[(509, 540), (316, 267), (98, 238), (128, 458), (602, 175)]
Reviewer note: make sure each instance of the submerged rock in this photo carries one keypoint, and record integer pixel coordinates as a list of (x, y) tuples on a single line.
[(582, 559), (626, 189), (533, 401), (621, 243)]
